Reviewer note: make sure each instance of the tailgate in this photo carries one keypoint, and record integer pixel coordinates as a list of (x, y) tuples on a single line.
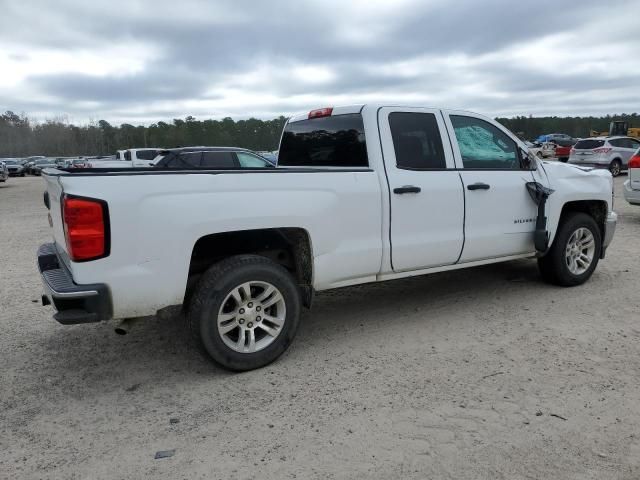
[(634, 178), (54, 192)]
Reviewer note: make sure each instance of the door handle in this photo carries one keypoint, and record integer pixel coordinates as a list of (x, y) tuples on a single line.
[(406, 189), (478, 186)]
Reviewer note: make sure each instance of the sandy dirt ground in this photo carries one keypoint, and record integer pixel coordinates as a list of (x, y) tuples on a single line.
[(485, 373)]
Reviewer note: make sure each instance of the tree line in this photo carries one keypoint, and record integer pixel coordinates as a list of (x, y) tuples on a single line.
[(21, 137), (530, 128)]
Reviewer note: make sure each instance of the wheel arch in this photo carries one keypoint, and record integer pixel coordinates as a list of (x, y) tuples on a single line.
[(595, 208), (289, 247)]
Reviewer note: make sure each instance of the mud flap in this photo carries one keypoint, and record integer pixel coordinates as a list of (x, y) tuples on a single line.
[(539, 194)]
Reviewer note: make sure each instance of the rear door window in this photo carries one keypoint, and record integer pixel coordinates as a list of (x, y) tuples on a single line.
[(484, 146), (217, 160), (416, 141), (146, 154), (185, 160), (618, 142), (334, 141)]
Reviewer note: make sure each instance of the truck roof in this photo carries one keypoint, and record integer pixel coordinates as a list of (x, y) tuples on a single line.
[(203, 148), (356, 108)]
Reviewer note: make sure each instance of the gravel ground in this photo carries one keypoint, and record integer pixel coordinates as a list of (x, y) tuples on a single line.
[(481, 373)]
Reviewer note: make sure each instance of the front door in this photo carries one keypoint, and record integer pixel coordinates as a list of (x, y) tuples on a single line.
[(426, 195), (500, 215)]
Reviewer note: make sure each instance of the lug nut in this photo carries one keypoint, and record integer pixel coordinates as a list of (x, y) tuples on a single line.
[(249, 304), (241, 321), (249, 324), (258, 308), (241, 311), (258, 318)]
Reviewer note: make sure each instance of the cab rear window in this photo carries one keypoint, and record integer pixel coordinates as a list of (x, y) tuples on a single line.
[(588, 144), (334, 141)]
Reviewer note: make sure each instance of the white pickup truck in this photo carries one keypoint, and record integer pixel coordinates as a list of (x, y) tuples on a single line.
[(363, 193), (132, 158)]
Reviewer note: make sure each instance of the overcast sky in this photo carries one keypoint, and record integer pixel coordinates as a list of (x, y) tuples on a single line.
[(144, 61)]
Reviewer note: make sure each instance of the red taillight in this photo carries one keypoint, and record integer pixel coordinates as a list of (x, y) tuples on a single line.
[(85, 228), (321, 112), (634, 162), (602, 150)]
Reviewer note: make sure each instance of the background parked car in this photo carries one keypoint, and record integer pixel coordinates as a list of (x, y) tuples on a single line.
[(4, 172), (78, 163), (210, 157), (43, 163), (562, 142), (561, 139), (605, 152), (95, 161), (542, 150), (132, 158), (15, 167), (632, 185), (29, 162)]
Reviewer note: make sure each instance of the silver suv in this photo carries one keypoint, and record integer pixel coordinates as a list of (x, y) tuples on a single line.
[(604, 152)]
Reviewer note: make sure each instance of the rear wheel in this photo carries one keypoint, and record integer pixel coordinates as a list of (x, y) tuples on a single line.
[(575, 251), (615, 167), (245, 312)]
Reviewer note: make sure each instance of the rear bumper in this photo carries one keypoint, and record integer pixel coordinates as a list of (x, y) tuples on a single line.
[(630, 195), (74, 303)]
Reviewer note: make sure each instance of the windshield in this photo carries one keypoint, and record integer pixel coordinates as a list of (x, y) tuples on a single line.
[(43, 161), (588, 144)]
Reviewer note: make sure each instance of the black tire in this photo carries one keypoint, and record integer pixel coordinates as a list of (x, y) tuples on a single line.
[(564, 159), (212, 289), (615, 167), (553, 266)]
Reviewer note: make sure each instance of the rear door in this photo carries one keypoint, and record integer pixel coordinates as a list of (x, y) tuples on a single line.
[(630, 146), (621, 150), (426, 196), (499, 215), (634, 174)]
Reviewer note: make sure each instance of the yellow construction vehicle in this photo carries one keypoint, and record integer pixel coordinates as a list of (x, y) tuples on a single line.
[(618, 128)]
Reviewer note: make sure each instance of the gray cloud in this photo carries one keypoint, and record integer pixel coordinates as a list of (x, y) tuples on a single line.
[(156, 60)]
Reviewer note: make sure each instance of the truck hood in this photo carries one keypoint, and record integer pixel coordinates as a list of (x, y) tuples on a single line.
[(569, 170), (574, 178)]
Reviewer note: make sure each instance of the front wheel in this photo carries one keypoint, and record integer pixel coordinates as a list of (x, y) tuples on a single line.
[(245, 312), (615, 168), (575, 251)]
